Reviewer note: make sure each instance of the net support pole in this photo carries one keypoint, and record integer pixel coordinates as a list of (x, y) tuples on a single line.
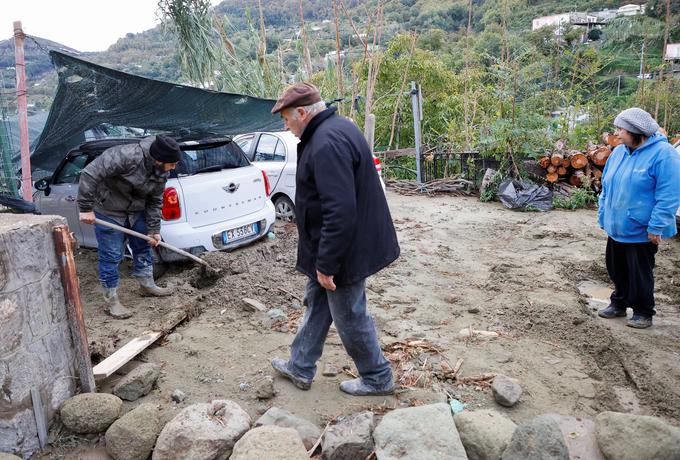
[(22, 106), (417, 117)]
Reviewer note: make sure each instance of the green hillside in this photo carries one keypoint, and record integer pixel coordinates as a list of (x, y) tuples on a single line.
[(516, 79)]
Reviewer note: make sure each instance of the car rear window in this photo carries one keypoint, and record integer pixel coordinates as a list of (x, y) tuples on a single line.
[(199, 158)]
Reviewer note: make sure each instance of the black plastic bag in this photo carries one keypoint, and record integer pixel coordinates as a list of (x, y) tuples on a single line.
[(524, 195)]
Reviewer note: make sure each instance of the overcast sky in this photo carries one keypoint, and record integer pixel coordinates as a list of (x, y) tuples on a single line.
[(85, 25)]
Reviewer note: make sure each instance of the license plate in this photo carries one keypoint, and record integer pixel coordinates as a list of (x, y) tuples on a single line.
[(238, 233)]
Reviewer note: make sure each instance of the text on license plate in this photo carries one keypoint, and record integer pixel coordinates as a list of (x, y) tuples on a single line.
[(238, 233)]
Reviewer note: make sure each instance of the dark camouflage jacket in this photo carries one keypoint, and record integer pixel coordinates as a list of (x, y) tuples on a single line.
[(123, 182)]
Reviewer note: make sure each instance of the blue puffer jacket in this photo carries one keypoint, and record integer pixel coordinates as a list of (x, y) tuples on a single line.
[(640, 191)]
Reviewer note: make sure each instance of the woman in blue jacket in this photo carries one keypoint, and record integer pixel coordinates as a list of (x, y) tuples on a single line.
[(637, 206)]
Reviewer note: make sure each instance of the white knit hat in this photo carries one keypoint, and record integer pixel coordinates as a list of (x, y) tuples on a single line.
[(636, 121)]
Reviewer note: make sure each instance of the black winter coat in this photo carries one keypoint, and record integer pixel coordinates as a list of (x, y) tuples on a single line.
[(344, 225)]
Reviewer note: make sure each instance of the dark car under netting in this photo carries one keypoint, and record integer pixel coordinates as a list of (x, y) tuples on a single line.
[(92, 97)]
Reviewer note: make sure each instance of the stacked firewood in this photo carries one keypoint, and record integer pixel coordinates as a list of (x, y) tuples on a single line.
[(579, 168)]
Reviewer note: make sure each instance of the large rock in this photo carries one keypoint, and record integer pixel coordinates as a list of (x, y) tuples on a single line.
[(579, 435), (138, 382), (639, 437), (484, 433), (417, 433), (132, 436), (541, 439), (506, 391), (270, 443), (90, 412), (350, 438), (203, 431), (4, 456), (307, 431)]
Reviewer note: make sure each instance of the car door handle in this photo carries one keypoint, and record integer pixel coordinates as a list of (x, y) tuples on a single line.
[(70, 198)]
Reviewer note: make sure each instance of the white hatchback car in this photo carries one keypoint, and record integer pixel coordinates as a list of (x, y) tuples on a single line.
[(275, 153), (214, 200)]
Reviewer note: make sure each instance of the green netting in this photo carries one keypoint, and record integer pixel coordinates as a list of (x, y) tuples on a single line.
[(94, 101)]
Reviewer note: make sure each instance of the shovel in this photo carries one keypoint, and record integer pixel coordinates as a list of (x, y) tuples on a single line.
[(209, 271)]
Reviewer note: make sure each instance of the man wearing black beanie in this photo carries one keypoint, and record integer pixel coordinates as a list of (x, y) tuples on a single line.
[(124, 186)]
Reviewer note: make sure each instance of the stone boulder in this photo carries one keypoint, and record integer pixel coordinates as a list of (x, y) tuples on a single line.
[(416, 433), (579, 436), (90, 412), (350, 438), (4, 456), (133, 436), (540, 439), (307, 431), (484, 433), (506, 391), (270, 443), (203, 431), (639, 437), (138, 382)]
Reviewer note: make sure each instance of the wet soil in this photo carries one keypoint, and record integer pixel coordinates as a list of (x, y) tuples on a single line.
[(463, 264)]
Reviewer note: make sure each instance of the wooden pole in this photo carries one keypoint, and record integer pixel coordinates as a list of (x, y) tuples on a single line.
[(63, 239), (338, 49), (369, 131), (22, 106)]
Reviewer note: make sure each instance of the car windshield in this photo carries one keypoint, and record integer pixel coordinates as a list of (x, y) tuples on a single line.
[(197, 159)]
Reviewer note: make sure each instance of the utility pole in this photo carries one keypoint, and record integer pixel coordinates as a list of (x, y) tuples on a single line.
[(22, 106), (642, 60), (618, 87), (417, 117)]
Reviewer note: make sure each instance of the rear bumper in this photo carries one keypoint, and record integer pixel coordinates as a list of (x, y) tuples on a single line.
[(198, 240)]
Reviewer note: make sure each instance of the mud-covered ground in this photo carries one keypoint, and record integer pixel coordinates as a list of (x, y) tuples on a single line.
[(463, 264)]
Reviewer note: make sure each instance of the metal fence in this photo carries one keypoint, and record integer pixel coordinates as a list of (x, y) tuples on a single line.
[(468, 165)]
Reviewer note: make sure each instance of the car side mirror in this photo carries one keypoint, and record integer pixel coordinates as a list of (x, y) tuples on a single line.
[(43, 185)]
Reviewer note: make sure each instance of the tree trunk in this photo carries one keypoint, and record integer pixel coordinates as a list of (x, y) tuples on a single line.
[(556, 158), (578, 160)]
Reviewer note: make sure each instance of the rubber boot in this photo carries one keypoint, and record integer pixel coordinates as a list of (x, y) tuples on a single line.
[(149, 287), (113, 305)]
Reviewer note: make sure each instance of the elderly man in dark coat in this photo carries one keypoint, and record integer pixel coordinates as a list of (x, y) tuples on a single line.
[(345, 235)]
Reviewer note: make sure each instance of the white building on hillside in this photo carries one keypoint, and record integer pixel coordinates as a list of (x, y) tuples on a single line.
[(558, 21), (672, 52), (631, 10), (555, 20)]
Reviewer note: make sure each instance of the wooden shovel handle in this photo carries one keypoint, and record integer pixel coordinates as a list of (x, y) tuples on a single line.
[(148, 238)]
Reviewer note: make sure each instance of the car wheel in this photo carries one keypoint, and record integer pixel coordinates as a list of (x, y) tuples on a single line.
[(159, 267), (285, 209)]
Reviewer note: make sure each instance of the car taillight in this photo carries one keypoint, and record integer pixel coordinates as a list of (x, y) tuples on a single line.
[(378, 165), (266, 184), (171, 207)]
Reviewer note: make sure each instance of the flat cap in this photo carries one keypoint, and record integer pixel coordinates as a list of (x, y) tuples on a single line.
[(297, 95)]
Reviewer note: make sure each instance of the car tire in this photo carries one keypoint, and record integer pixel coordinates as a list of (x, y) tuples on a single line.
[(159, 267), (285, 209)]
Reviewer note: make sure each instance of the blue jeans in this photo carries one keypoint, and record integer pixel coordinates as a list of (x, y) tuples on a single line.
[(346, 306), (111, 245)]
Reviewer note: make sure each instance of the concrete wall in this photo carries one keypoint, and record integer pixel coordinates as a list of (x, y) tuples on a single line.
[(36, 350)]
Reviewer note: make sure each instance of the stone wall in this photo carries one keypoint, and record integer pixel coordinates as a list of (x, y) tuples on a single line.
[(36, 350)]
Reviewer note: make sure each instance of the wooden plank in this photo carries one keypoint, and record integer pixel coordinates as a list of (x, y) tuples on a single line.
[(39, 413), (64, 241), (123, 355), (135, 346)]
